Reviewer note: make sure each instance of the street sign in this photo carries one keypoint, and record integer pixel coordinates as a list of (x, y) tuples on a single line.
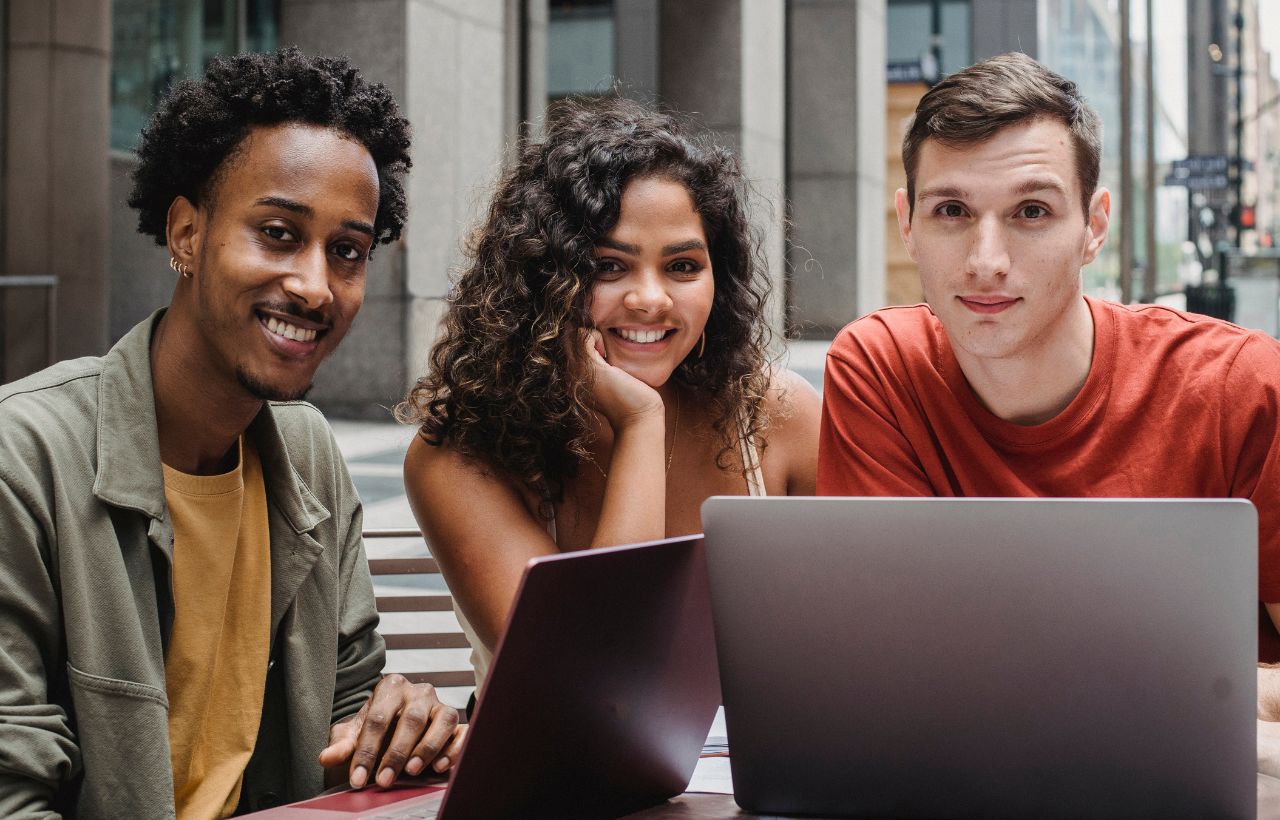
[(911, 72), (1207, 182), (1200, 165)]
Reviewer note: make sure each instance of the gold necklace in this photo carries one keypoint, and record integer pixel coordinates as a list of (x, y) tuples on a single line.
[(671, 451)]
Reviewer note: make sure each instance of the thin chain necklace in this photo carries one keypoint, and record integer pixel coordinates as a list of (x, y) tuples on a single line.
[(671, 451)]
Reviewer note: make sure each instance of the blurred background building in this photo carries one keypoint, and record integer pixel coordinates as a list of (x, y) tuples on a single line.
[(813, 94)]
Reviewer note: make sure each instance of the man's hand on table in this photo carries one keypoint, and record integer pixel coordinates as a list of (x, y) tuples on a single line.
[(402, 727), (1269, 720)]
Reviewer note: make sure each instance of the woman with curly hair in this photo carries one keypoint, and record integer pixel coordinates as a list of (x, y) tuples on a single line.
[(603, 365)]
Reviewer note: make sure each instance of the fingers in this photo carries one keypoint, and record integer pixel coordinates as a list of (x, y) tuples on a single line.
[(380, 713), (342, 739), (450, 754), (410, 721), (431, 747), (425, 725), (593, 342)]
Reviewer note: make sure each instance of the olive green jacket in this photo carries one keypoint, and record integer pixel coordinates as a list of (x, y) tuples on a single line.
[(86, 602)]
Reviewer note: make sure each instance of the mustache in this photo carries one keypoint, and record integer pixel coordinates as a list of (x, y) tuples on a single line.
[(296, 310)]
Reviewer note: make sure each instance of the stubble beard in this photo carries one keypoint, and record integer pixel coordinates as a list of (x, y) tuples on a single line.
[(266, 392)]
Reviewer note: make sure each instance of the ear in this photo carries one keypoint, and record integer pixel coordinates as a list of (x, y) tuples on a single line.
[(184, 230), (1099, 218), (903, 206)]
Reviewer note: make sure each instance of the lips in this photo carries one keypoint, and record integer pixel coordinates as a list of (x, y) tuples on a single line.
[(989, 304)]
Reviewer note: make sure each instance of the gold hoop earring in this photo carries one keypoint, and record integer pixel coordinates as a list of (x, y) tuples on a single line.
[(702, 344), (179, 267)]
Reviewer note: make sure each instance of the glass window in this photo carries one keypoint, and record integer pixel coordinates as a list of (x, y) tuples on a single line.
[(580, 58), (158, 42), (910, 30)]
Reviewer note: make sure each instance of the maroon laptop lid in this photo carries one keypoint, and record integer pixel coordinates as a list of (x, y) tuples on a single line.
[(601, 692)]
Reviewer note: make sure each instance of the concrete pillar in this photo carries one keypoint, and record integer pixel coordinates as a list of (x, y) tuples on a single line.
[(836, 162), (447, 63), (636, 47), (1001, 26), (55, 171), (723, 61)]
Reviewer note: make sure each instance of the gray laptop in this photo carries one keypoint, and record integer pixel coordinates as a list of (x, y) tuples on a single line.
[(987, 657)]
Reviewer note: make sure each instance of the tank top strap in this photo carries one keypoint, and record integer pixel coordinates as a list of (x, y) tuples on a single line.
[(751, 461)]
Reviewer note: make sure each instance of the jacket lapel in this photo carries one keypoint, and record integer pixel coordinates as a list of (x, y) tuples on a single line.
[(293, 513)]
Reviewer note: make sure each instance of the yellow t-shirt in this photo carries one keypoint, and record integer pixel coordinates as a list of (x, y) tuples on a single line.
[(216, 667)]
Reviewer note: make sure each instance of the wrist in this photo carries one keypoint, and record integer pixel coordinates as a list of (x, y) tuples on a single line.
[(651, 417)]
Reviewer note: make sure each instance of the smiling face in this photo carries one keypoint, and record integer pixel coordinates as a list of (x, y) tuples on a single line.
[(278, 253), (653, 292), (1000, 240)]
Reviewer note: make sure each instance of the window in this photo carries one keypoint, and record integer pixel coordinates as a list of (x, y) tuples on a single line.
[(580, 53), (159, 42), (914, 26)]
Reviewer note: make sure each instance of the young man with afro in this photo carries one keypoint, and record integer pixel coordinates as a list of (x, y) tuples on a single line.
[(186, 616)]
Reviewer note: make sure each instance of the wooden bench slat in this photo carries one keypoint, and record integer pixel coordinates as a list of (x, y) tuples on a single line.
[(426, 640), (438, 602), (442, 679), (414, 603), (403, 566)]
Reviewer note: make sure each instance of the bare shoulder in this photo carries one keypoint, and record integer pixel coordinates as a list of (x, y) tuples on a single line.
[(439, 469), (790, 401), (794, 410)]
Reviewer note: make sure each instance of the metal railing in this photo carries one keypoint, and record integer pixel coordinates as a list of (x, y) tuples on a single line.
[(51, 307)]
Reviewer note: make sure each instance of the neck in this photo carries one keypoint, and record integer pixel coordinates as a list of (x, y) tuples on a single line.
[(199, 415), (1035, 386)]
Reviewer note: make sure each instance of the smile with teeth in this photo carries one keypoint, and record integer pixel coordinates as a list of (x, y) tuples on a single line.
[(643, 337), (289, 331)]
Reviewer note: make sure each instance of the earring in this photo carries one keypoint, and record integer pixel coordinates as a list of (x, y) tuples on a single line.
[(179, 267), (702, 344)]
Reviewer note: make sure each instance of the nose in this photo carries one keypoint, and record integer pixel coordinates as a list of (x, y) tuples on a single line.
[(648, 294), (308, 282), (988, 250)]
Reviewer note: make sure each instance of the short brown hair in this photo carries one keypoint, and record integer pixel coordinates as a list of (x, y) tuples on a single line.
[(972, 105)]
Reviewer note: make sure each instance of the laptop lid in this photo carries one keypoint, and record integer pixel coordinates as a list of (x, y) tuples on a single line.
[(987, 657), (601, 692)]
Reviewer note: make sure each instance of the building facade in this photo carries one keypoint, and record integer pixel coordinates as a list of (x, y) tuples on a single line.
[(814, 95), (797, 89)]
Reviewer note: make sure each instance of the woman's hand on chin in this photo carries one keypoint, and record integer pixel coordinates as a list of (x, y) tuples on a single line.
[(620, 397)]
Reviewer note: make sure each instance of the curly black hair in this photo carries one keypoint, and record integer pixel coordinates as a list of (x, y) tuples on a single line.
[(506, 384), (199, 123)]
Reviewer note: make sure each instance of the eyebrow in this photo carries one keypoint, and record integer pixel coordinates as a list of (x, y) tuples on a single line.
[(1024, 188), (944, 192), (1039, 185), (669, 250), (308, 211)]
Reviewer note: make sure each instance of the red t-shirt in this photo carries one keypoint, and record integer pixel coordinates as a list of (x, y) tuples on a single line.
[(1175, 405)]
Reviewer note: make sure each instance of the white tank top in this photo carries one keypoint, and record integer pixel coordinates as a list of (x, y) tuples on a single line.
[(481, 657)]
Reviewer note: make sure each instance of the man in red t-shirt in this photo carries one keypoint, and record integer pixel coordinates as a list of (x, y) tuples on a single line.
[(1011, 382)]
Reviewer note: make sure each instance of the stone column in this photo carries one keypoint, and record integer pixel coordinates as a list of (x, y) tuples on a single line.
[(723, 61), (55, 177), (636, 47), (836, 162), (447, 63)]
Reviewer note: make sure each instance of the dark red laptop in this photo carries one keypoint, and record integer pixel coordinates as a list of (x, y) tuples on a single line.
[(599, 699)]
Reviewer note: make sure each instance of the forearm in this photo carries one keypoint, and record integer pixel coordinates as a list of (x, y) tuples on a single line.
[(24, 798), (1269, 691), (38, 750), (634, 508), (361, 650)]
